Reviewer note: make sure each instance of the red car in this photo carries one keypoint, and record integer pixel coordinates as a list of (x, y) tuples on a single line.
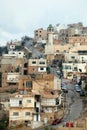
[(56, 121), (69, 124)]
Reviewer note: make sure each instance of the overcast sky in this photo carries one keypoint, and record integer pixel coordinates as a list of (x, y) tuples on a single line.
[(22, 17)]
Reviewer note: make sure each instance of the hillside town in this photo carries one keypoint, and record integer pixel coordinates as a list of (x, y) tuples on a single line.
[(43, 80)]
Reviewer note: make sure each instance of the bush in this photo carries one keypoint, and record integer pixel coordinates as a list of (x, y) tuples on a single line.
[(2, 126), (46, 128), (11, 91), (48, 70), (4, 122)]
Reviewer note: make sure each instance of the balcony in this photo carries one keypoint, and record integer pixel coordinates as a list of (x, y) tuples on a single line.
[(12, 80), (48, 104)]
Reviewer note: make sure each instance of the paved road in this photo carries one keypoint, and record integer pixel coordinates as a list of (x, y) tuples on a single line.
[(74, 104)]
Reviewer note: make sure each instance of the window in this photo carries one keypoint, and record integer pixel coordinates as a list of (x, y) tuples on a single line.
[(15, 113), (75, 69), (57, 50), (27, 113), (33, 62), (28, 101), (73, 57), (41, 68), (57, 101), (42, 62), (28, 83), (67, 67), (20, 102), (36, 34)]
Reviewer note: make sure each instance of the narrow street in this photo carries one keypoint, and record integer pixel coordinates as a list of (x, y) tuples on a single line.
[(74, 105)]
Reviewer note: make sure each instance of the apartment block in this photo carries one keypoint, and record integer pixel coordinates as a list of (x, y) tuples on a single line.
[(11, 65), (71, 69), (40, 34), (82, 40), (33, 108), (36, 66), (21, 106)]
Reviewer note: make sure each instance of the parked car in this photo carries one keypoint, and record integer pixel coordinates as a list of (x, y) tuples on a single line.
[(78, 89), (65, 90), (69, 124), (76, 85), (56, 121), (82, 93), (58, 72), (63, 85), (53, 65)]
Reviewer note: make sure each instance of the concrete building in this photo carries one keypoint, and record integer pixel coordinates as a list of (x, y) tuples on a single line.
[(55, 50), (36, 66), (15, 54), (40, 35), (71, 69), (47, 82), (81, 40), (21, 106), (13, 44), (13, 79), (11, 65), (80, 57), (44, 92), (25, 83), (69, 31)]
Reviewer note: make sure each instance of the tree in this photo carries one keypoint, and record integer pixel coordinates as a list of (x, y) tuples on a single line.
[(80, 82), (18, 48), (29, 55), (2, 126), (5, 50), (48, 70), (46, 128), (60, 65), (4, 122), (0, 51)]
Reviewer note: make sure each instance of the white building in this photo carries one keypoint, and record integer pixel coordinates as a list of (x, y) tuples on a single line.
[(69, 69), (13, 77), (16, 54)]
